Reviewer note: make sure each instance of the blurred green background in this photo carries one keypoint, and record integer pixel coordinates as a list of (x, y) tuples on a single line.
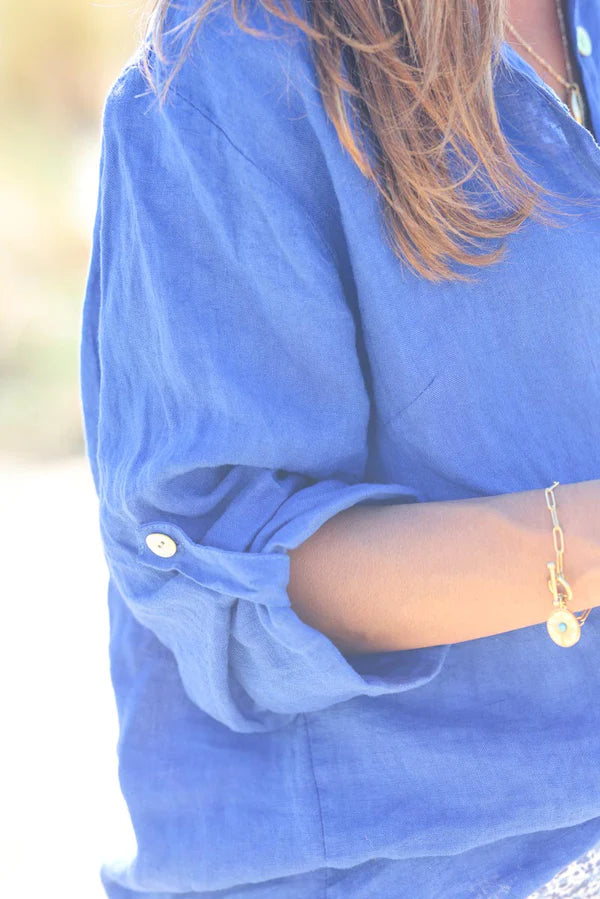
[(57, 62)]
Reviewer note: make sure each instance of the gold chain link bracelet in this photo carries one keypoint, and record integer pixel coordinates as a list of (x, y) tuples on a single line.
[(563, 626)]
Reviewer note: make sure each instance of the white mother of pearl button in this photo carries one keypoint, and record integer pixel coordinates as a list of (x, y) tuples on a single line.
[(161, 545)]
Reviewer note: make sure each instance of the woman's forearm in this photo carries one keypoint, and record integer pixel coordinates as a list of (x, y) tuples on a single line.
[(403, 576)]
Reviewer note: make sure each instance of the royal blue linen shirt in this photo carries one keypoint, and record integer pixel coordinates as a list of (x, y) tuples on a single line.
[(255, 359)]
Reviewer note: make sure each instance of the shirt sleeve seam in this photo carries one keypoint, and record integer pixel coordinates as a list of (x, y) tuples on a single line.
[(322, 240)]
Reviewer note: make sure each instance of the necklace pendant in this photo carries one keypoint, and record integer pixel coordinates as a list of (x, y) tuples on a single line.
[(576, 103), (563, 627)]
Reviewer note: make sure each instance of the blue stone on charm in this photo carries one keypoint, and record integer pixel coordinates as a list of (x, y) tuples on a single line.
[(563, 627)]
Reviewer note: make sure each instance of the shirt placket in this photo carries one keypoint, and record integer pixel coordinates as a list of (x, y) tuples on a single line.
[(582, 36)]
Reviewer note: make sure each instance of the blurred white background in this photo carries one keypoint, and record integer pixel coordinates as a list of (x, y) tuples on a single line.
[(62, 809)]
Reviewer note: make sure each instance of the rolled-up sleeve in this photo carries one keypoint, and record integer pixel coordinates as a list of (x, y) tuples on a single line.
[(226, 414)]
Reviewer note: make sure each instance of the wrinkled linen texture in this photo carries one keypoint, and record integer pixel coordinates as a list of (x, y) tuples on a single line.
[(256, 359)]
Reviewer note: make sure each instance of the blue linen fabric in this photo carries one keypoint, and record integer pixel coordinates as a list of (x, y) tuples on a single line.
[(255, 359)]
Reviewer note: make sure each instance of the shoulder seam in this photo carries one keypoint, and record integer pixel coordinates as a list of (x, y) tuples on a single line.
[(323, 241)]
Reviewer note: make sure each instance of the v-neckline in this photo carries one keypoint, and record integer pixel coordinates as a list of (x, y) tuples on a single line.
[(513, 59)]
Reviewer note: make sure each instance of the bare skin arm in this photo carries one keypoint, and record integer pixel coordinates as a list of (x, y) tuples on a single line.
[(376, 578)]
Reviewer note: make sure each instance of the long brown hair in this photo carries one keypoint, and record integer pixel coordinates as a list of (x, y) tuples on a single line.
[(418, 78)]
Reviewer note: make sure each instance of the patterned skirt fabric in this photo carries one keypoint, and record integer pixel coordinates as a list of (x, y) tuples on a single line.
[(579, 880)]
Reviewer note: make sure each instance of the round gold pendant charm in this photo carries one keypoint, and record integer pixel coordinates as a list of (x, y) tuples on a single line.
[(564, 627)]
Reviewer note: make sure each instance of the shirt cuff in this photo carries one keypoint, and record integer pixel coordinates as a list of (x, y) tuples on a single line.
[(243, 653)]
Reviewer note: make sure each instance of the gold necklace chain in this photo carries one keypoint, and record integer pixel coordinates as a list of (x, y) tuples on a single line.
[(574, 98)]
